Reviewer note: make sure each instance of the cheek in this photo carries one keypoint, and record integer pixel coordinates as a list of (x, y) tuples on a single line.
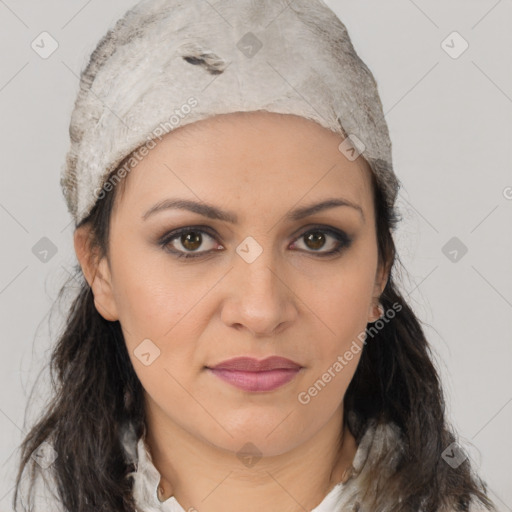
[(342, 301), (148, 308), (150, 298), (156, 309), (337, 352), (158, 304)]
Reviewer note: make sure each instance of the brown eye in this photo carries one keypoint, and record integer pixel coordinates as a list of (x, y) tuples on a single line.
[(315, 240), (192, 240), (186, 241)]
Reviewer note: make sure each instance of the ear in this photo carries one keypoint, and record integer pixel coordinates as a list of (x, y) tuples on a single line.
[(97, 273), (381, 279)]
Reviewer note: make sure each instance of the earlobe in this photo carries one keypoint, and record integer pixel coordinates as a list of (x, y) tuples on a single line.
[(97, 274), (376, 308), (373, 313)]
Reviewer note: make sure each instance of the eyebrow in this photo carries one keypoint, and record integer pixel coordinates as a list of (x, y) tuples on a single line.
[(212, 212)]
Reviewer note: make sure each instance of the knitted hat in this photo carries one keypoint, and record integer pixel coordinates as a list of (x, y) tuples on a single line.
[(168, 63)]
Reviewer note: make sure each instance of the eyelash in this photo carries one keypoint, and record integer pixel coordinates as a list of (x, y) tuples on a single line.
[(343, 239)]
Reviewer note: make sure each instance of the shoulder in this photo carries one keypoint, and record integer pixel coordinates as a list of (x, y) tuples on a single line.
[(380, 450)]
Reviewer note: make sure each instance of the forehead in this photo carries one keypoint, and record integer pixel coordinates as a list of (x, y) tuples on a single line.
[(254, 154)]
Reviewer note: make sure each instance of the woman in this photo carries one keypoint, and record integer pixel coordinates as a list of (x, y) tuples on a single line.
[(234, 347)]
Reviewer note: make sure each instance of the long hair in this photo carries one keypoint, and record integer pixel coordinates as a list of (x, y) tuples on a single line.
[(95, 392)]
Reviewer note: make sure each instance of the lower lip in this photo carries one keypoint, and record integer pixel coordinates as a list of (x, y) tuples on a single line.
[(256, 381)]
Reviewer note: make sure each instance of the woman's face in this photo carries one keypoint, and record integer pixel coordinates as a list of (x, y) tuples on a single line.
[(259, 281)]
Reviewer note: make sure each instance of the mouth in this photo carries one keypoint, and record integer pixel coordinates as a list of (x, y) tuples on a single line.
[(255, 375)]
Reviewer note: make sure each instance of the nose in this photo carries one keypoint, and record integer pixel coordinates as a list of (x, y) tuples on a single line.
[(259, 299)]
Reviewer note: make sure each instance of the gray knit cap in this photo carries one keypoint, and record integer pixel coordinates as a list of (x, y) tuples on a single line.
[(168, 63)]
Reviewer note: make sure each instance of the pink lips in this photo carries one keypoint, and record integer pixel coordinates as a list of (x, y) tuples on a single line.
[(251, 374)]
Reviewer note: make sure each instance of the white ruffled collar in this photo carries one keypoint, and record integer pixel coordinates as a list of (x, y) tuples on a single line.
[(147, 478)]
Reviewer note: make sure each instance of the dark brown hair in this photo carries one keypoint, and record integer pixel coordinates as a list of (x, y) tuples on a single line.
[(96, 392)]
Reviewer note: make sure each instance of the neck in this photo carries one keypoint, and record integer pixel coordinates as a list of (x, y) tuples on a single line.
[(204, 477)]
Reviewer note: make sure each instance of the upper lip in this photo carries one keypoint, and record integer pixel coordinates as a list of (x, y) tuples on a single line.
[(250, 364)]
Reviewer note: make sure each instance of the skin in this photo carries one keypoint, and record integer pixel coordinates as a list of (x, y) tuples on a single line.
[(289, 302)]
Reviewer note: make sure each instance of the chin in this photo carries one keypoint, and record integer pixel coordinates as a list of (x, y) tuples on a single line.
[(260, 441)]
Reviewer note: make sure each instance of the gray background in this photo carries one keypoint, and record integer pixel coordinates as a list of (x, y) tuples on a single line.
[(451, 125)]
